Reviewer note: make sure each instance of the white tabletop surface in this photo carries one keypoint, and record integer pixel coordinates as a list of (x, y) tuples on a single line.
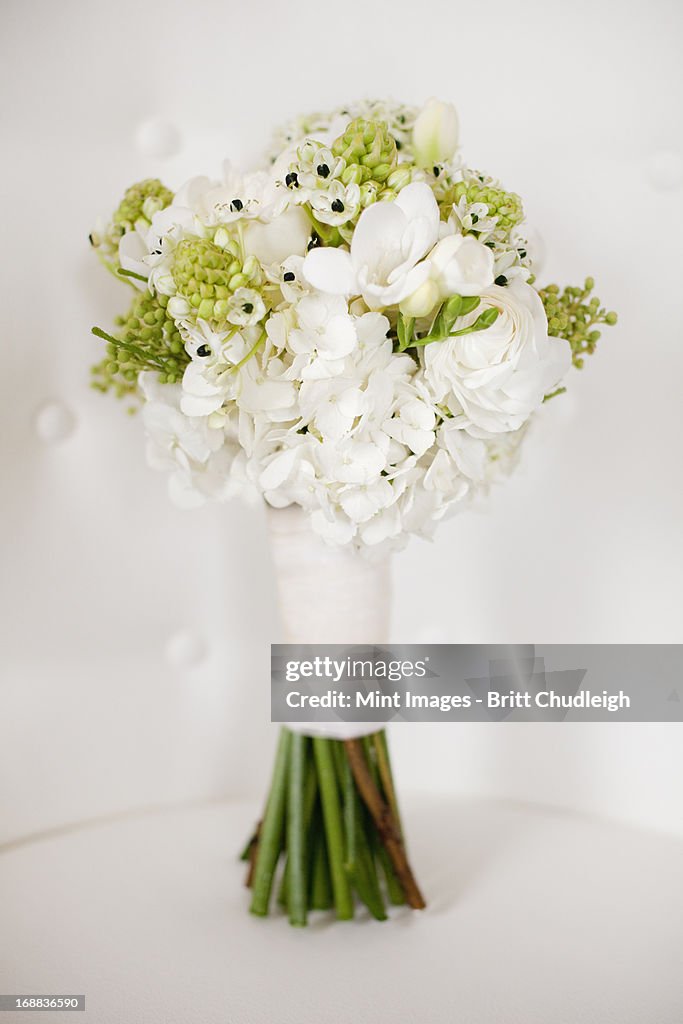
[(535, 917)]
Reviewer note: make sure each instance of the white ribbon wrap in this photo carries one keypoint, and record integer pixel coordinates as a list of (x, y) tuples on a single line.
[(327, 595)]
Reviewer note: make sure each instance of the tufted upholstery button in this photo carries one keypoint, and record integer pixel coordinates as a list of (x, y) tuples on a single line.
[(186, 649), (158, 138), (54, 422), (664, 171)]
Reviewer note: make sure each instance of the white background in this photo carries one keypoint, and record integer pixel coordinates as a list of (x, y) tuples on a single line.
[(135, 638)]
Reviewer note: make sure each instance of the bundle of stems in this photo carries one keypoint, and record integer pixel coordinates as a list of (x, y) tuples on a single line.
[(332, 823)]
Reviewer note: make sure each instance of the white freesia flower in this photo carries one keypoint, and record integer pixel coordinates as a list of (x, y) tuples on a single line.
[(435, 133), (390, 240), (461, 265), (496, 378)]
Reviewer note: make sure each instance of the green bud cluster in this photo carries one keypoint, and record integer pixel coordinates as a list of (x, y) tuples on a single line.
[(147, 339), (369, 152), (506, 206), (573, 314), (206, 275), (139, 204)]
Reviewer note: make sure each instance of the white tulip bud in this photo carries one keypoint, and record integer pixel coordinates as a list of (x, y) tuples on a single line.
[(435, 133), (422, 301)]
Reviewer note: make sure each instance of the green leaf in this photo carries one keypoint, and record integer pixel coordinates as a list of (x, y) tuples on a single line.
[(469, 302), (484, 320), (404, 329)]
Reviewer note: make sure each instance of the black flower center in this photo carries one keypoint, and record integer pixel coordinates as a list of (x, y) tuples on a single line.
[(337, 206), (203, 351), (323, 170)]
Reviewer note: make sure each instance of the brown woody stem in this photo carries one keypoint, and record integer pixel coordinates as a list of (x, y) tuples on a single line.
[(385, 822)]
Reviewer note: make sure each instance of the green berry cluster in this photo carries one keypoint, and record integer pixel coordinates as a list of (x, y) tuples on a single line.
[(139, 204), (147, 339), (368, 150), (505, 206), (207, 274), (573, 314)]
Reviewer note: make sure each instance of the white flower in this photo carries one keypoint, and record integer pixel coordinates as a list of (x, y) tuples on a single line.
[(272, 242), (461, 265), (390, 240), (245, 308), (324, 334), (338, 204), (497, 377), (352, 461), (331, 406), (144, 253), (236, 197), (422, 301), (435, 133), (413, 422), (197, 456), (362, 502)]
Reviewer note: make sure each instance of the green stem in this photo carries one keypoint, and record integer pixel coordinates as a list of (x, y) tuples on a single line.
[(296, 832), (310, 794), (329, 795), (321, 881), (131, 273), (272, 831)]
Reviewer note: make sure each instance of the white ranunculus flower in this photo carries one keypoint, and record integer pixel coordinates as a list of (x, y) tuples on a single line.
[(461, 265), (499, 376), (435, 133), (390, 240)]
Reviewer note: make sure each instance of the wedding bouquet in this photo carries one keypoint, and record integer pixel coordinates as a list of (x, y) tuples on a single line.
[(354, 329)]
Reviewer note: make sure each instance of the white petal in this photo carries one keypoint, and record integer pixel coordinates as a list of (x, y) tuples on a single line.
[(287, 235), (330, 270), (378, 233)]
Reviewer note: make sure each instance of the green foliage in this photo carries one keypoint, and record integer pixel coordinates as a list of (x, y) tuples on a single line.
[(573, 314), (147, 339), (444, 321)]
